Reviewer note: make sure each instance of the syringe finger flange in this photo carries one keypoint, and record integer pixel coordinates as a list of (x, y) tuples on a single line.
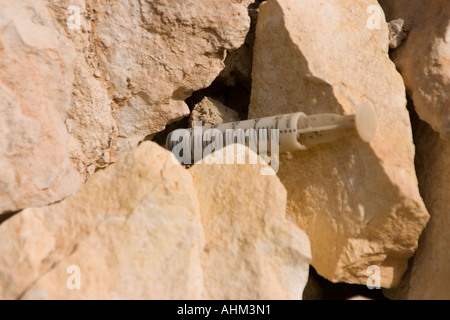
[(295, 131)]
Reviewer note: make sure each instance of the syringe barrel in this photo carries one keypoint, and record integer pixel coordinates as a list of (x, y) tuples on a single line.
[(285, 125), (293, 131)]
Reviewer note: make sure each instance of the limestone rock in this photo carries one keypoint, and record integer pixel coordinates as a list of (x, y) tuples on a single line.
[(397, 33), (36, 74), (82, 82), (156, 53), (212, 112), (238, 64), (359, 203), (423, 59), (251, 250), (428, 277), (133, 231)]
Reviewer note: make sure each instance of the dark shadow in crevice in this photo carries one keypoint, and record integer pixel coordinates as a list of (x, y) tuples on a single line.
[(328, 184), (424, 158), (235, 96), (233, 85), (7, 215), (160, 137), (319, 288)]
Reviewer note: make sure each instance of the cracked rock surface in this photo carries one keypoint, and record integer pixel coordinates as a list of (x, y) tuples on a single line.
[(146, 228), (73, 100), (423, 58), (93, 207), (359, 203)]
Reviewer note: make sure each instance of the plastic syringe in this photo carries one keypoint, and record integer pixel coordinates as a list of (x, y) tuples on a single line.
[(297, 131)]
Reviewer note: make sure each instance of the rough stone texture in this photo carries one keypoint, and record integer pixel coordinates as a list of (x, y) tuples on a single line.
[(424, 58), (36, 74), (397, 33), (238, 64), (156, 53), (428, 277), (133, 230), (212, 112), (359, 203), (72, 101), (251, 250)]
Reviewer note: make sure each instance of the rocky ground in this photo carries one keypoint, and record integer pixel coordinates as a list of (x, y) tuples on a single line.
[(93, 207)]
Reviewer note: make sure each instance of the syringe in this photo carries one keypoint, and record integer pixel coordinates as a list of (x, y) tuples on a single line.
[(297, 131)]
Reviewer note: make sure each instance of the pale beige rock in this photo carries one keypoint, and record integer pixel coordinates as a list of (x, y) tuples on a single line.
[(73, 100), (428, 277), (156, 53), (36, 74), (397, 33), (89, 117), (251, 250), (211, 112), (358, 203), (238, 64), (133, 230), (424, 58)]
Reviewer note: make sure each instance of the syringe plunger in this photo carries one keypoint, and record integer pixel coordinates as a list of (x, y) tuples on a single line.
[(297, 131)]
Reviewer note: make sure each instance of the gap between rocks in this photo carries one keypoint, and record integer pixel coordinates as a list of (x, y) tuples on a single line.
[(233, 88), (233, 85), (7, 215), (319, 288)]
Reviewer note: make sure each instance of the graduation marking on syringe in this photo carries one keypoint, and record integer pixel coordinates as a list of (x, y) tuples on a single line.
[(308, 131)]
